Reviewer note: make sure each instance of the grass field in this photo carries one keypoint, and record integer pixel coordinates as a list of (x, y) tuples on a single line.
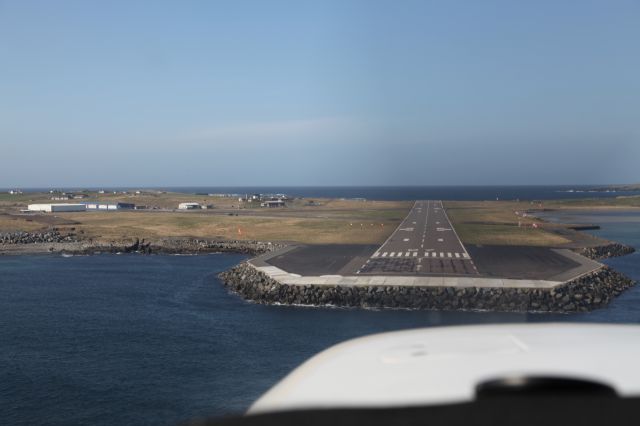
[(496, 222), (326, 221), (124, 225)]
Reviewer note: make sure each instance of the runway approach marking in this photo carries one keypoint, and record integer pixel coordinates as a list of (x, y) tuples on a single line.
[(425, 243)]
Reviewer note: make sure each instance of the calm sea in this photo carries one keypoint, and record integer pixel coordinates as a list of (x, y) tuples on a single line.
[(472, 193), (112, 340)]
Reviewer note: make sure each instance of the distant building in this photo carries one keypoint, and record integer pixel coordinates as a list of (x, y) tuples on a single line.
[(189, 206), (59, 198), (109, 206), (273, 203), (53, 208)]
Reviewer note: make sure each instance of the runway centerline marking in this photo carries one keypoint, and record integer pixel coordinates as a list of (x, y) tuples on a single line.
[(406, 252)]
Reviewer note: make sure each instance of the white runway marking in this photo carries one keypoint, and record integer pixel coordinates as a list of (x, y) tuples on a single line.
[(384, 254), (441, 254), (457, 254), (405, 240), (440, 240), (449, 254), (434, 254), (376, 254), (392, 254), (465, 255), (415, 254)]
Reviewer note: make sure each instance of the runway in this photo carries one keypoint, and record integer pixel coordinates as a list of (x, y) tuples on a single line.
[(425, 243)]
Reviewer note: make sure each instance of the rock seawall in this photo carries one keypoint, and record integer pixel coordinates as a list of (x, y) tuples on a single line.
[(20, 243), (184, 246), (606, 251), (580, 295), (21, 237)]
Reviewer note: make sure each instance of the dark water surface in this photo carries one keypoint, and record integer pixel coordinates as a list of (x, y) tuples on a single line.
[(136, 340), (471, 193)]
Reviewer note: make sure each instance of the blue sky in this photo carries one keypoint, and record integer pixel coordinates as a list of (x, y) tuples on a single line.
[(319, 92)]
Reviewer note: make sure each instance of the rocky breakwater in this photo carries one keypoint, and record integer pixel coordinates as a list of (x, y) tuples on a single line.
[(606, 251), (52, 236), (175, 246), (580, 295)]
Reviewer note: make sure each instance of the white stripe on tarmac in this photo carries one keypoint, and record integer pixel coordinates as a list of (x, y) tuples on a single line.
[(408, 254), (441, 254), (465, 255), (449, 254), (384, 254), (376, 254), (457, 254), (415, 254), (392, 254)]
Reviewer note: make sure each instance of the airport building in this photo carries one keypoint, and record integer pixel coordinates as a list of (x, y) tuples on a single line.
[(273, 203), (189, 206), (52, 208), (110, 206)]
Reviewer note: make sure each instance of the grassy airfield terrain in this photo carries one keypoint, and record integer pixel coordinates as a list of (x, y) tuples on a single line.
[(319, 221), (323, 221)]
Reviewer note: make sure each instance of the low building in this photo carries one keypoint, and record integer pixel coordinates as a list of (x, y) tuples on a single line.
[(189, 206), (273, 203), (53, 208), (109, 206)]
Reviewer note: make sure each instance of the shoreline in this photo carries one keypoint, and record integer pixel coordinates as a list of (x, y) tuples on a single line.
[(161, 246)]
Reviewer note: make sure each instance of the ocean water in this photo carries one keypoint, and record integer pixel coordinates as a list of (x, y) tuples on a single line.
[(137, 340), (471, 193)]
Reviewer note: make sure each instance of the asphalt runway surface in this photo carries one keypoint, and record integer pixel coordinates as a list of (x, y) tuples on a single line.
[(425, 243), (519, 262), (325, 259)]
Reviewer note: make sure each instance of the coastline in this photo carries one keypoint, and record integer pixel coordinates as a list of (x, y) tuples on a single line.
[(159, 246)]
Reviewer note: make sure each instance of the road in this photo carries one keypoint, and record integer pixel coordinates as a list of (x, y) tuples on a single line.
[(425, 243)]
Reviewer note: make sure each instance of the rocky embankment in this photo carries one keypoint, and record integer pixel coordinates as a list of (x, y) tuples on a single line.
[(52, 236), (53, 242), (186, 246), (606, 251), (183, 246), (583, 294)]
